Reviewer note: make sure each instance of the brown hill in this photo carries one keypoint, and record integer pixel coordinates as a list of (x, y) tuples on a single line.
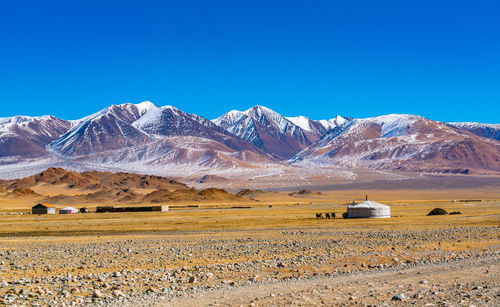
[(93, 180), (303, 193), (22, 192), (109, 188), (128, 196), (162, 195), (105, 196)]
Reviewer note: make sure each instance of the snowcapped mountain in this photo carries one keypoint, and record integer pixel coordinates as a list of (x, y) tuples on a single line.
[(275, 134), (146, 134), (402, 142), (227, 120), (107, 129), (143, 136), (26, 137), (491, 131), (317, 126)]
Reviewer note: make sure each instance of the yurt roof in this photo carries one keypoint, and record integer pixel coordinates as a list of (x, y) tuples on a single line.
[(369, 204), (69, 208)]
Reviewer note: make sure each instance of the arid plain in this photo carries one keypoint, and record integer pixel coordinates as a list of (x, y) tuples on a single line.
[(255, 248)]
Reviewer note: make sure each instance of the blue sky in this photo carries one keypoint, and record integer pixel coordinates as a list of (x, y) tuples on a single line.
[(439, 59)]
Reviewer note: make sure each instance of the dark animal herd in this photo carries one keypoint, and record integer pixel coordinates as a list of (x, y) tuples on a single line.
[(326, 216)]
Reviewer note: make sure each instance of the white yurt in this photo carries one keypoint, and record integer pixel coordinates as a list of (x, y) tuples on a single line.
[(368, 209), (68, 210)]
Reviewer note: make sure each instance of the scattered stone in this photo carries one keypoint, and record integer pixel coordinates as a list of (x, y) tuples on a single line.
[(398, 297)]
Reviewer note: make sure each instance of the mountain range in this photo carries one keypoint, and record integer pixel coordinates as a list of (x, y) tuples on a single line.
[(138, 137)]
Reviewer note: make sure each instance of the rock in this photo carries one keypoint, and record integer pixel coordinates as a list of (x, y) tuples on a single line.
[(437, 211), (192, 279), (398, 297), (152, 290), (97, 294)]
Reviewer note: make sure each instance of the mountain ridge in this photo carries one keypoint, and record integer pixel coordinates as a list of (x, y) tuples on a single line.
[(135, 136)]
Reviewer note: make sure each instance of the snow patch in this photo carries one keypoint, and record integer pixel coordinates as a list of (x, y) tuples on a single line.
[(301, 121)]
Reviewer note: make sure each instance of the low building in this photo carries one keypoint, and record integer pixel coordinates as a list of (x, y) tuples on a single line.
[(68, 210), (102, 209), (43, 209), (368, 209)]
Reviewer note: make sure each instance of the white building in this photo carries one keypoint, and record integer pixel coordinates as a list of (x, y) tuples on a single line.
[(368, 209), (68, 210)]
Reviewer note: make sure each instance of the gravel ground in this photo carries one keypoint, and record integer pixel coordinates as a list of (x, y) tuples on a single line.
[(291, 267), (452, 283)]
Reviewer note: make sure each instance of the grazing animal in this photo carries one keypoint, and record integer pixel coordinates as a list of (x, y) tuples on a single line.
[(319, 215), (327, 215), (333, 215)]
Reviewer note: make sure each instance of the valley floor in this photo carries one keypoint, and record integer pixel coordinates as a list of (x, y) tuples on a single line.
[(262, 256)]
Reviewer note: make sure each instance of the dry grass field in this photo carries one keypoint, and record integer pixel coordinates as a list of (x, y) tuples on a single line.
[(223, 217), (266, 249), (272, 210)]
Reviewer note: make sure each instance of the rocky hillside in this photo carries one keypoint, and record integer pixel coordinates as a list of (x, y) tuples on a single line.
[(275, 134), (402, 142)]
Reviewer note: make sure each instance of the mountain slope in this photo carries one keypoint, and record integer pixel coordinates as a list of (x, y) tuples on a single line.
[(275, 134), (319, 127), (147, 134), (402, 142), (26, 137), (491, 131), (165, 140)]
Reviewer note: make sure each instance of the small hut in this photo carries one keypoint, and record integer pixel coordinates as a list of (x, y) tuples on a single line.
[(368, 209), (43, 209), (68, 210)]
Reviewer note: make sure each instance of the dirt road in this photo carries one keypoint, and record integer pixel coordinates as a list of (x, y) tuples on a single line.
[(454, 283)]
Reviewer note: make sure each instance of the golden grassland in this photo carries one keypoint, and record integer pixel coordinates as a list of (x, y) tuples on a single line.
[(221, 217), (263, 228), (264, 210)]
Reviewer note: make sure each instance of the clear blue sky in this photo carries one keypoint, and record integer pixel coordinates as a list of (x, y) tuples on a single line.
[(439, 59)]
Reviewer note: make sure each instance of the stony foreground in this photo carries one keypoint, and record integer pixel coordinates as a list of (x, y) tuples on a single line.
[(438, 267), (451, 283)]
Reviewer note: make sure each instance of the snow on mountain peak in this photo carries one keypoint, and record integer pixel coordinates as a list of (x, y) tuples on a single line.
[(333, 122), (228, 119), (149, 118), (151, 122), (20, 121), (305, 123), (474, 125), (258, 111), (15, 120), (267, 116), (392, 124), (145, 106), (491, 131), (169, 107), (301, 121)]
